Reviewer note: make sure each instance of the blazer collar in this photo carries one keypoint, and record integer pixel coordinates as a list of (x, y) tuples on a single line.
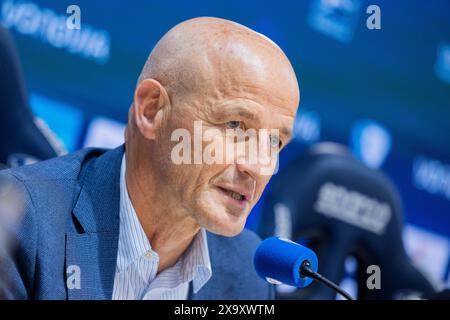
[(98, 203)]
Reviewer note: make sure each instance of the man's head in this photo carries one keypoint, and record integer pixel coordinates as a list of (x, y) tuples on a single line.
[(226, 76)]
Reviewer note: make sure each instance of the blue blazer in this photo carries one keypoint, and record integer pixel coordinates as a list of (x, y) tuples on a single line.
[(72, 218)]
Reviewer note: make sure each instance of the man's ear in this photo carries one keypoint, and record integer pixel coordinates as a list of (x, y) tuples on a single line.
[(150, 98)]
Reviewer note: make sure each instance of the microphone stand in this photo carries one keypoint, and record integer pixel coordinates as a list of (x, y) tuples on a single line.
[(306, 271)]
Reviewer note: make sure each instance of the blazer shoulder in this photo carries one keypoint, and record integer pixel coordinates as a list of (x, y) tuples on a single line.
[(47, 187), (67, 167)]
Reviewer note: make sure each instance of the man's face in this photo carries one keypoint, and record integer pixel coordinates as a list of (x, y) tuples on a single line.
[(221, 194)]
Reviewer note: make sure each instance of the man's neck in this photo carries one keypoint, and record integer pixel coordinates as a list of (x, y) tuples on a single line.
[(169, 231)]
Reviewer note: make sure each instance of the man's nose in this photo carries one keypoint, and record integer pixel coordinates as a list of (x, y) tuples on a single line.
[(263, 166), (251, 169)]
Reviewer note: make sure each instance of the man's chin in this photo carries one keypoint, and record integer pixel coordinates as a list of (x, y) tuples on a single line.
[(227, 232), (228, 226)]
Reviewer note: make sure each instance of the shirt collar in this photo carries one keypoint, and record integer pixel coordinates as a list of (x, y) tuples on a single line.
[(194, 264)]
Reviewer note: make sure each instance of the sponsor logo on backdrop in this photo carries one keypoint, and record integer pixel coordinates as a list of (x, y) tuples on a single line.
[(424, 246), (104, 133), (431, 176), (442, 66), (335, 18), (370, 142), (307, 127), (52, 28), (338, 19), (283, 221)]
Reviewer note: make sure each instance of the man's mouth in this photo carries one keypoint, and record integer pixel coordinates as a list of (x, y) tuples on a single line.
[(234, 195), (237, 193)]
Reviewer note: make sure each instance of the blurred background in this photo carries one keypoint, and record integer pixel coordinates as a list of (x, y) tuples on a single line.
[(383, 93)]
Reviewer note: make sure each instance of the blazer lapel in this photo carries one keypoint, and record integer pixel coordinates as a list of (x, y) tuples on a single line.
[(93, 232), (92, 258), (222, 283)]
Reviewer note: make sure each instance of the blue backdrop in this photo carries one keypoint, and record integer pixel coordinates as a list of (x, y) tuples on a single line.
[(384, 93)]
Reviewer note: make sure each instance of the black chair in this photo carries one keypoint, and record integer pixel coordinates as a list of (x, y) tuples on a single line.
[(340, 208), (21, 140)]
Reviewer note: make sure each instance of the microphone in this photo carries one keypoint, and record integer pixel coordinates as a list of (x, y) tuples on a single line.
[(282, 261)]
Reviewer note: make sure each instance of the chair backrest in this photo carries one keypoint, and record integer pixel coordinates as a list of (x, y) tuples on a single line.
[(340, 208), (21, 141)]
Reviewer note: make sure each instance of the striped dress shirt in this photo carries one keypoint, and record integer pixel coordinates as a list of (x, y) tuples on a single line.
[(137, 264)]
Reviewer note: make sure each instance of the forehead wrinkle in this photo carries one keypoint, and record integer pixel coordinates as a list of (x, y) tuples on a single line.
[(244, 105), (249, 92)]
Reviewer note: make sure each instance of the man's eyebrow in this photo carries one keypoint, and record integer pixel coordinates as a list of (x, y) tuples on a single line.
[(248, 115), (241, 111)]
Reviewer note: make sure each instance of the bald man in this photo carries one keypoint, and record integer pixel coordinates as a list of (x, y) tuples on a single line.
[(139, 223)]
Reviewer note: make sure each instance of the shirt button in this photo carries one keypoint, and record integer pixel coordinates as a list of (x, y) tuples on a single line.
[(148, 253)]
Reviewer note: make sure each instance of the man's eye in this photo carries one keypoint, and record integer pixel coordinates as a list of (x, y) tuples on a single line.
[(233, 124), (275, 141)]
